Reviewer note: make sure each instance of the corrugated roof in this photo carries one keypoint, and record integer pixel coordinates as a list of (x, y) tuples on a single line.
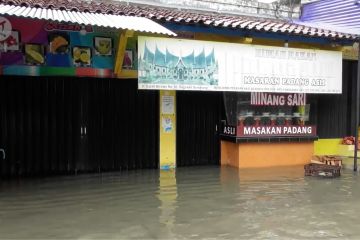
[(96, 19), (184, 17), (334, 14)]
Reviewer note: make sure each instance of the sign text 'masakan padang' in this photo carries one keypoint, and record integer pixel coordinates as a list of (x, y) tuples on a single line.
[(274, 99), (236, 67), (271, 131)]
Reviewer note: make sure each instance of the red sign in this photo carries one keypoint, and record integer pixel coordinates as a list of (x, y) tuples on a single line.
[(67, 27), (275, 131), (276, 99)]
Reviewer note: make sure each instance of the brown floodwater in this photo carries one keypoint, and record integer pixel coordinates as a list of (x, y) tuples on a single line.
[(193, 203)]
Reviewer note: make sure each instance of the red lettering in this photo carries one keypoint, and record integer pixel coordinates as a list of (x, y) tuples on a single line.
[(67, 27), (49, 27), (88, 28)]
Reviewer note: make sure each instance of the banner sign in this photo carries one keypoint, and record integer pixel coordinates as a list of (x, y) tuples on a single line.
[(269, 131), (274, 131), (35, 47), (273, 99), (178, 64)]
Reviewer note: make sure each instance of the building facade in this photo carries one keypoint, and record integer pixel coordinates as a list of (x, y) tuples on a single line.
[(66, 112)]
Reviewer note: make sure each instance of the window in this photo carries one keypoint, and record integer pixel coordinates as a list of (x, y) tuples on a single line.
[(266, 109)]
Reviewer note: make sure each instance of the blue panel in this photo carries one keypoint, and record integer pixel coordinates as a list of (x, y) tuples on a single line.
[(76, 39), (103, 62), (339, 13), (58, 60)]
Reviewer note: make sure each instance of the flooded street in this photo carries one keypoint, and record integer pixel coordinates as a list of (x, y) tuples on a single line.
[(199, 202)]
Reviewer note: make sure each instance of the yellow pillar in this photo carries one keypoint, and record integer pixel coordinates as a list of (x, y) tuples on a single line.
[(120, 51), (167, 129), (167, 195)]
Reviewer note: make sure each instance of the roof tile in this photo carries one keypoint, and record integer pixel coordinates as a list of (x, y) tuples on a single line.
[(181, 16)]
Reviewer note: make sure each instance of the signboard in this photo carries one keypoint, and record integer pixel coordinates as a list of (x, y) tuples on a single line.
[(167, 104), (269, 131), (275, 131), (273, 99), (229, 130), (42, 48), (178, 64)]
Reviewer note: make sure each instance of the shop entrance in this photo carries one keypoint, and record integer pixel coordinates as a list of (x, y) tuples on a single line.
[(198, 117), (66, 125), (119, 126), (39, 125)]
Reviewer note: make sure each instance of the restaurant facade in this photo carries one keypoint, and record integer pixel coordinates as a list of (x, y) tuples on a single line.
[(91, 98)]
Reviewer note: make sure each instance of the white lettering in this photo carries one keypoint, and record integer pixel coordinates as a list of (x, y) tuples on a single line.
[(268, 130), (289, 100), (273, 131), (282, 100), (269, 99), (229, 130), (302, 99), (247, 130), (263, 131), (294, 130), (254, 98), (285, 130), (263, 99), (294, 100)]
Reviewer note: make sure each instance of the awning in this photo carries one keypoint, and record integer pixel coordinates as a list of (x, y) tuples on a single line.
[(331, 27), (140, 24), (340, 16)]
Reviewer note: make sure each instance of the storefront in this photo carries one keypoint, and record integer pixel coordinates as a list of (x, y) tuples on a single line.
[(267, 129), (270, 94), (81, 97), (65, 108)]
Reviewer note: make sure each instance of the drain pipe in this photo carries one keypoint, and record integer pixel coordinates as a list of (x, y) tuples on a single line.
[(357, 106)]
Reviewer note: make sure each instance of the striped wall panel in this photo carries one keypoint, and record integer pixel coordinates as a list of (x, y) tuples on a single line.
[(340, 13)]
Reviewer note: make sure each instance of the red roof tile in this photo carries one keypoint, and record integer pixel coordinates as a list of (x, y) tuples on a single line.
[(188, 17)]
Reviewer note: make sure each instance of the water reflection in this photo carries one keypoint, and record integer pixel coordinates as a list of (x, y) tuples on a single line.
[(167, 195), (231, 175), (191, 203)]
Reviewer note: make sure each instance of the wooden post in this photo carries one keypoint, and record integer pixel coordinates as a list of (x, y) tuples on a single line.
[(357, 110), (123, 36)]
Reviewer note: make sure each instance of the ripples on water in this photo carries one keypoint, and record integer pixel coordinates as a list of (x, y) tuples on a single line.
[(200, 202)]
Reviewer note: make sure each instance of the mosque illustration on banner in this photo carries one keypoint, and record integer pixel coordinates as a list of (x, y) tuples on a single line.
[(167, 68)]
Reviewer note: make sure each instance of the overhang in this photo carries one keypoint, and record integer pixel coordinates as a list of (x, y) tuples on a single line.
[(186, 17), (140, 24), (336, 15)]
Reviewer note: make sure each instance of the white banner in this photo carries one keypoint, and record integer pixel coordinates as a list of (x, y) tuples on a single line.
[(179, 64)]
